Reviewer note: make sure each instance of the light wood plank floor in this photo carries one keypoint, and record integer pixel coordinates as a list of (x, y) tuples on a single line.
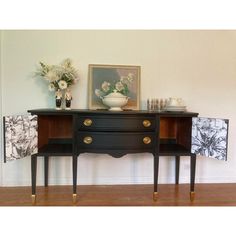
[(122, 195)]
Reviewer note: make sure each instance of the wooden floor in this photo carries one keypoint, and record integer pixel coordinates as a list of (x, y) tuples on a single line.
[(122, 195)]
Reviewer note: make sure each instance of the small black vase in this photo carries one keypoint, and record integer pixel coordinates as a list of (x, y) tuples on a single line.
[(58, 104), (68, 104)]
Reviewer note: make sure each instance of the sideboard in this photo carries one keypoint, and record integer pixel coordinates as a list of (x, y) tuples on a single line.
[(70, 133)]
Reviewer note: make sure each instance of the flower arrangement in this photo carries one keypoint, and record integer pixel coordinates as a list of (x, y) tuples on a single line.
[(121, 86), (60, 77)]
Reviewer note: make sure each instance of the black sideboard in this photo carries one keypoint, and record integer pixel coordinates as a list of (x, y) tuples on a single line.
[(70, 133)]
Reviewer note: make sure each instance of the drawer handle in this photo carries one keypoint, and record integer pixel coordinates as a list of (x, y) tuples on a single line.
[(88, 140), (147, 140), (88, 122), (147, 123)]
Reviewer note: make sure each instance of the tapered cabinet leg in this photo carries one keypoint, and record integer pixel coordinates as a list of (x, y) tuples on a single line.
[(33, 177), (46, 159), (177, 162), (156, 170), (192, 176), (74, 169)]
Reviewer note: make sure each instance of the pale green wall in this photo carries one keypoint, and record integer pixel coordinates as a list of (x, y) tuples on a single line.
[(199, 66)]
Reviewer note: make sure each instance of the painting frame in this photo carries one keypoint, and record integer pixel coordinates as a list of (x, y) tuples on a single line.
[(98, 73)]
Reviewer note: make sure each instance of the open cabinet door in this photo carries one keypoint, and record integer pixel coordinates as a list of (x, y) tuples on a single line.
[(20, 136), (210, 137)]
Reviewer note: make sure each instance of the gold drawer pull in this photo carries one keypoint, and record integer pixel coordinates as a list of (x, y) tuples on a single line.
[(88, 122), (147, 123), (147, 140), (88, 140)]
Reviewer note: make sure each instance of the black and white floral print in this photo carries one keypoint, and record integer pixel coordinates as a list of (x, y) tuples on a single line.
[(209, 137), (21, 136)]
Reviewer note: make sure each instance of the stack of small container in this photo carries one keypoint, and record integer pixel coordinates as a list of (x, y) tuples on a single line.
[(156, 104)]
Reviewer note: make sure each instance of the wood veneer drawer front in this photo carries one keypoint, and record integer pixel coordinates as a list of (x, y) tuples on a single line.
[(121, 140), (117, 123)]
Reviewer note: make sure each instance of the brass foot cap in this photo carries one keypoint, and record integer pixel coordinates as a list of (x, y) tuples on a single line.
[(155, 196), (192, 196), (74, 196), (33, 197)]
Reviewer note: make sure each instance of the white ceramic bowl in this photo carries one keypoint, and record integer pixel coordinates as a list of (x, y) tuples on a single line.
[(115, 101)]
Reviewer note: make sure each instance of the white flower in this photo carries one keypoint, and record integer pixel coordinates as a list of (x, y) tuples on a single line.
[(51, 76), (105, 86), (130, 77), (98, 93), (119, 86), (124, 79), (58, 94), (66, 63), (62, 84), (51, 87)]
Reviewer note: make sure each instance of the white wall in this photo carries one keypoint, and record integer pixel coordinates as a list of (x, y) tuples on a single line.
[(1, 142), (199, 66)]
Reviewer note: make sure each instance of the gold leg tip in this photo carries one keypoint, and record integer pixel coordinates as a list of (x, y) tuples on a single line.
[(155, 196), (192, 196), (33, 197), (74, 196)]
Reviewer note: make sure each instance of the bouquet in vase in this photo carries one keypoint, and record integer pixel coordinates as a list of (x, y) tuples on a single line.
[(60, 78)]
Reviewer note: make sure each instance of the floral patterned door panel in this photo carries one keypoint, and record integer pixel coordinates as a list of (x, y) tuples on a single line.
[(210, 137), (20, 136)]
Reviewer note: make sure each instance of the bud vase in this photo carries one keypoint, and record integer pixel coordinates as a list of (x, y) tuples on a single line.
[(58, 104), (68, 104), (58, 97), (68, 99)]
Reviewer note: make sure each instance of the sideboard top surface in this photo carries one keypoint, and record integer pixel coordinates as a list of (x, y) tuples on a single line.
[(106, 112)]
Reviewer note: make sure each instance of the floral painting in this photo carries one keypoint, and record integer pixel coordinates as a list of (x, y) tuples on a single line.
[(210, 137), (21, 136), (105, 79)]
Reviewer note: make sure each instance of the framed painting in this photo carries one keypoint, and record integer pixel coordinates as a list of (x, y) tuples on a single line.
[(105, 77)]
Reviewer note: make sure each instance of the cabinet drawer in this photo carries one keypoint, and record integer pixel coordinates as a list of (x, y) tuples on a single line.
[(121, 140), (117, 123)]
